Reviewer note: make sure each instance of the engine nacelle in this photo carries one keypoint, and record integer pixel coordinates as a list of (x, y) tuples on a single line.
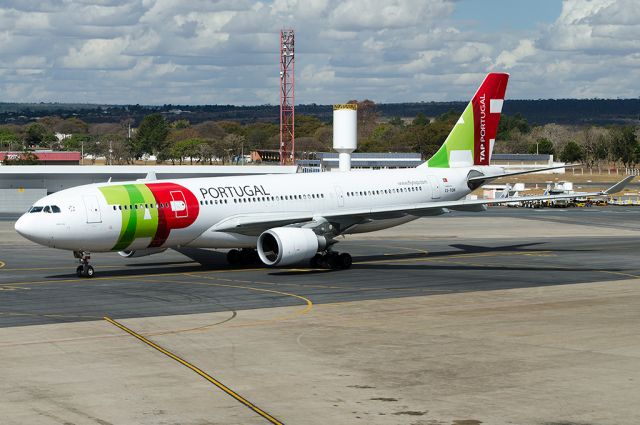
[(282, 246), (141, 252)]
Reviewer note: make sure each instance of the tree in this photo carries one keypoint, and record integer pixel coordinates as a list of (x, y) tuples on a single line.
[(25, 158), (542, 146), (380, 139), (75, 142), (209, 130), (175, 136), (624, 145), (306, 125), (189, 148), (595, 143), (151, 135), (324, 136), (71, 125), (509, 126), (120, 152), (572, 152), (180, 124), (396, 122), (231, 144), (38, 135), (7, 138), (420, 119), (231, 127), (258, 134), (367, 118)]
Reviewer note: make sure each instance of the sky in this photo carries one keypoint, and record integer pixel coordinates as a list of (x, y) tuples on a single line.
[(226, 51)]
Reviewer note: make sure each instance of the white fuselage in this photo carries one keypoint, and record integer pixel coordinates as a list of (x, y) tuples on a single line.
[(93, 218)]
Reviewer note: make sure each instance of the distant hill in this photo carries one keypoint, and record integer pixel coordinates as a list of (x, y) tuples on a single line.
[(561, 111)]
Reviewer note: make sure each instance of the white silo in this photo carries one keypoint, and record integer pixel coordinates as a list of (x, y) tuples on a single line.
[(345, 132)]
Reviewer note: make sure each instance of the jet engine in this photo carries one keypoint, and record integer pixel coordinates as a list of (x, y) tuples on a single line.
[(141, 252), (282, 246)]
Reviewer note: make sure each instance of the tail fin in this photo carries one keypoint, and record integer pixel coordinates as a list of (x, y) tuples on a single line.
[(472, 138)]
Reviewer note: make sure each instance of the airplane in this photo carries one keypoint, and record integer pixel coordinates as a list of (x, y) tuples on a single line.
[(284, 219)]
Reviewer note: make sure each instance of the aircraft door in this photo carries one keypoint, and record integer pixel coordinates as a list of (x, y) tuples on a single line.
[(92, 208), (434, 182), (339, 196), (179, 204)]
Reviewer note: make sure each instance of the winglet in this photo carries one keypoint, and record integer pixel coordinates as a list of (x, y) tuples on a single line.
[(618, 186)]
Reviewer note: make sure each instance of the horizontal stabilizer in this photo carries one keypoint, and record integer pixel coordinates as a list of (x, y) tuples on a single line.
[(517, 173), (618, 186)]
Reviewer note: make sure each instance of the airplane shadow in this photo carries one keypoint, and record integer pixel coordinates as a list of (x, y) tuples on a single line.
[(386, 260), (204, 260)]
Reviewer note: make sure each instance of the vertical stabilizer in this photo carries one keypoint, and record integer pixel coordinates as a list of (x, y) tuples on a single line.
[(472, 138)]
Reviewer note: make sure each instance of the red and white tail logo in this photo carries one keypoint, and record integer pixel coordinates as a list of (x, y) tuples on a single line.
[(487, 106)]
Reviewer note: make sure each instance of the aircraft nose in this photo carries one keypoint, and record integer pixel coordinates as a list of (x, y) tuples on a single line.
[(21, 226), (30, 228)]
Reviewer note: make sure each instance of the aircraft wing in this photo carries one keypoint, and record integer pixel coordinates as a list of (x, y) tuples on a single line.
[(254, 224)]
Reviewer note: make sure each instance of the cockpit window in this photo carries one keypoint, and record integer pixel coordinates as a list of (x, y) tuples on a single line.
[(35, 209), (47, 209), (55, 209)]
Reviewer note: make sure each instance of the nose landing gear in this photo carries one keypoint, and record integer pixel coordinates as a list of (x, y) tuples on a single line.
[(84, 269)]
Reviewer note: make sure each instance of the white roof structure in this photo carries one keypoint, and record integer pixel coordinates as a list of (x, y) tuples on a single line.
[(58, 177)]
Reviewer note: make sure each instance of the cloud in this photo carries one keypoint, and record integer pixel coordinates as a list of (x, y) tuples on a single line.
[(203, 52), (99, 54), (509, 58)]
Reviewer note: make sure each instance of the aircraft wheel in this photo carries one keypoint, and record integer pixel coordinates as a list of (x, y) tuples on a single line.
[(345, 260), (333, 261), (315, 261), (249, 256), (234, 257), (89, 272), (79, 271)]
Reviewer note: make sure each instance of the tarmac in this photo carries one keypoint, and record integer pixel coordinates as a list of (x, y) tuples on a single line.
[(511, 316)]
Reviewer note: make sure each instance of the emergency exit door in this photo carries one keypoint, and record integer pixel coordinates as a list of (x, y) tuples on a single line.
[(92, 208), (434, 182), (179, 204)]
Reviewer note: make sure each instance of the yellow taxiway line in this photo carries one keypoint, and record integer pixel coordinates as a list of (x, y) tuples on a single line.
[(132, 276), (197, 370)]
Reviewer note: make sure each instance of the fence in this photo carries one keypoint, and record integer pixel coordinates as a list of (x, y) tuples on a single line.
[(612, 171)]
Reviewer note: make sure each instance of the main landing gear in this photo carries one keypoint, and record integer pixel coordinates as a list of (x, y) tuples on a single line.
[(84, 269), (238, 257), (332, 260)]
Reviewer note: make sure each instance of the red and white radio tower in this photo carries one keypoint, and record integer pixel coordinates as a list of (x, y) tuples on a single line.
[(287, 91)]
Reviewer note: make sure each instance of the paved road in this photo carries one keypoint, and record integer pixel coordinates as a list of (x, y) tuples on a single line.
[(38, 285)]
